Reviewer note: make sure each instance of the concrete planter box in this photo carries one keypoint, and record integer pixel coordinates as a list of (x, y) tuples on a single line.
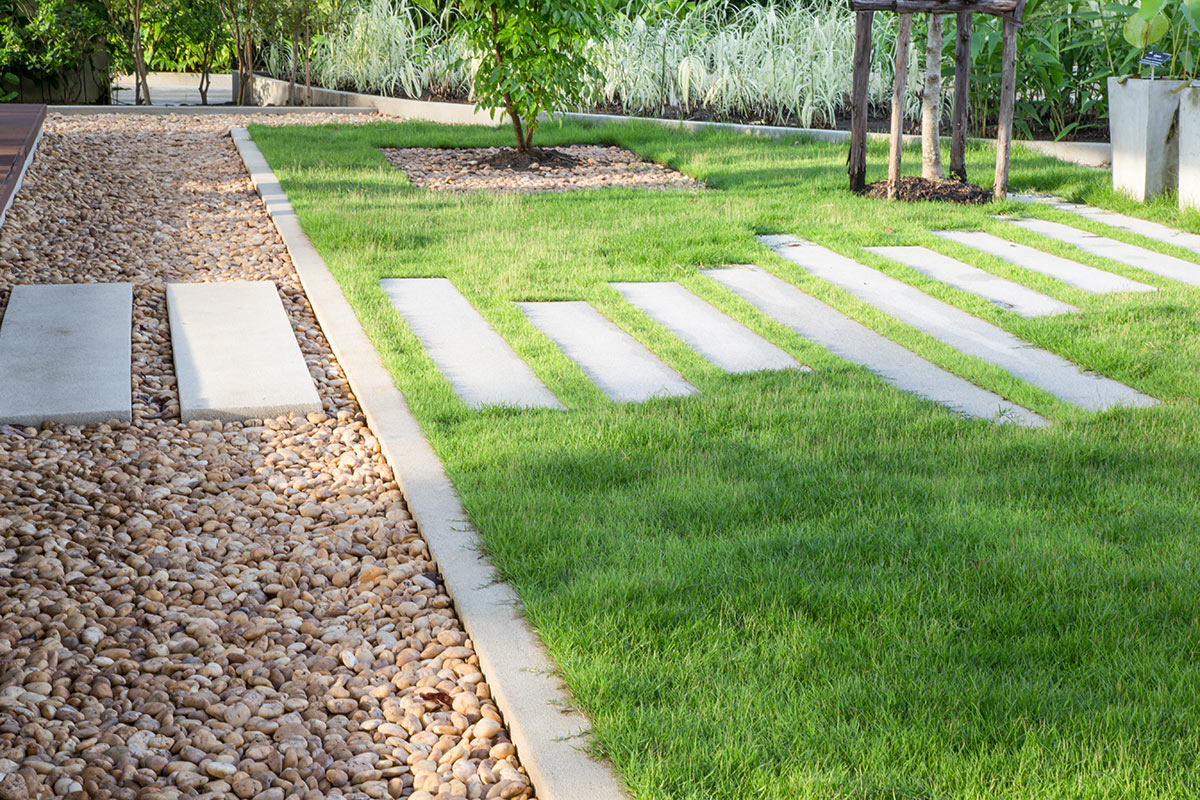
[(1189, 148), (1143, 125)]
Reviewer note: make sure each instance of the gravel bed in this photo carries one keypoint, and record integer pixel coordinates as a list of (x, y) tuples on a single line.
[(597, 166), (213, 610)]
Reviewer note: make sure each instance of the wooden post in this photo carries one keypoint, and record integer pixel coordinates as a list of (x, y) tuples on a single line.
[(903, 37), (1008, 91), (858, 100), (962, 88)]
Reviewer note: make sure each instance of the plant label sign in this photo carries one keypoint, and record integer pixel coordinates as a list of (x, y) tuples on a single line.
[(1154, 58)]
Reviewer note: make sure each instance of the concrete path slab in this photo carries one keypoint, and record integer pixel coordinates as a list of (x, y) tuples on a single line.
[(616, 362), (236, 356), (1005, 293), (1081, 276), (478, 363), (725, 342), (1140, 257), (853, 341), (959, 329), (66, 354), (1142, 227)]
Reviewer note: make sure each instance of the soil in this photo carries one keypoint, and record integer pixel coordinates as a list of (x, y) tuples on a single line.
[(913, 188), (504, 170), (536, 158)]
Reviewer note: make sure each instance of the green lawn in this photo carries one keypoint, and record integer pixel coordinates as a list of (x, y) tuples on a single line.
[(808, 585)]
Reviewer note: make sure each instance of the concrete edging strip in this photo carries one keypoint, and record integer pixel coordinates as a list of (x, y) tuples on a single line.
[(547, 734)]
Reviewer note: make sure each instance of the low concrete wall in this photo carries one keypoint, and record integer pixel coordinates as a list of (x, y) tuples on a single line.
[(273, 92)]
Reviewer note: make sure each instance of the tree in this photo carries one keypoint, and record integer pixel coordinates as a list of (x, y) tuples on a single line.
[(931, 103), (532, 56), (241, 21), (188, 36), (127, 17)]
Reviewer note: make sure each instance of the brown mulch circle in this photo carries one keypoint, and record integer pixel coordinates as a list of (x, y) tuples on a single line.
[(559, 169), (912, 188)]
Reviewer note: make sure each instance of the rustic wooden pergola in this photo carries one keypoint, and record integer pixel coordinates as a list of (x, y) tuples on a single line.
[(1008, 10)]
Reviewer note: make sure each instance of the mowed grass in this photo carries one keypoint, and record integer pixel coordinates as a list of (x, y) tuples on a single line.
[(808, 585)]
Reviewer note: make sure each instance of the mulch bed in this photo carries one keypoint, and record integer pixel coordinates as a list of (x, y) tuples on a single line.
[(559, 169), (912, 188)]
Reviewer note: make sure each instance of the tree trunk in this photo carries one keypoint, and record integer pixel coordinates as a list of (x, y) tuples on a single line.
[(139, 55), (858, 104), (295, 66), (931, 103), (962, 86), (903, 38), (307, 65), (1008, 86)]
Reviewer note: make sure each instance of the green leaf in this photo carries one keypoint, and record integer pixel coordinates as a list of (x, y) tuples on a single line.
[(1142, 33)]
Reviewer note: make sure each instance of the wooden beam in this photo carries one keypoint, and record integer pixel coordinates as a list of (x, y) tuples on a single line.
[(858, 100), (1008, 91), (998, 8), (903, 37), (962, 89)]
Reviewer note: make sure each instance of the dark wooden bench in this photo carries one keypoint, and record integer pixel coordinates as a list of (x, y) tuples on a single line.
[(20, 125)]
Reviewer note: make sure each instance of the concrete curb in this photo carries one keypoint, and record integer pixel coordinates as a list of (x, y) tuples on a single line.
[(547, 734), (21, 176), (76, 110)]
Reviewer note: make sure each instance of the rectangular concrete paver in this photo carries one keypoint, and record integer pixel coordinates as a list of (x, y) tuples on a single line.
[(959, 329), (853, 341), (725, 342), (1140, 257), (1005, 293), (66, 354), (478, 363), (1081, 276), (236, 356), (1142, 227), (616, 362)]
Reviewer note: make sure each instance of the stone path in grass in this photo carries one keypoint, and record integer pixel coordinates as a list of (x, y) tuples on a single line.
[(235, 354), (858, 344), (65, 354), (478, 363), (1142, 227), (1008, 295), (1081, 276), (1131, 254), (616, 362), (723, 341), (959, 329)]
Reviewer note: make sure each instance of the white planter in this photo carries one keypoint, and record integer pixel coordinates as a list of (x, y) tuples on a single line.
[(1189, 148), (1143, 125)]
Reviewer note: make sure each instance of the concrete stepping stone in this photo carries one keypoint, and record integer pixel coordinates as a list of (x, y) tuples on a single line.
[(66, 354), (853, 341), (1142, 227), (725, 342), (959, 329), (480, 366), (616, 362), (236, 356), (1140, 257), (1005, 293), (1081, 276)]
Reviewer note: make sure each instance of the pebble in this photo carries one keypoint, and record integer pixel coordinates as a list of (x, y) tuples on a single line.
[(210, 609)]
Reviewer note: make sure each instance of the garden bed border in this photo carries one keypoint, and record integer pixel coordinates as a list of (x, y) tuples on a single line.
[(272, 92), (548, 733)]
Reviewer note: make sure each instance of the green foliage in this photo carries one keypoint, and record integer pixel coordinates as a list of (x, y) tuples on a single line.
[(532, 55), (187, 36), (43, 39), (1175, 21)]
